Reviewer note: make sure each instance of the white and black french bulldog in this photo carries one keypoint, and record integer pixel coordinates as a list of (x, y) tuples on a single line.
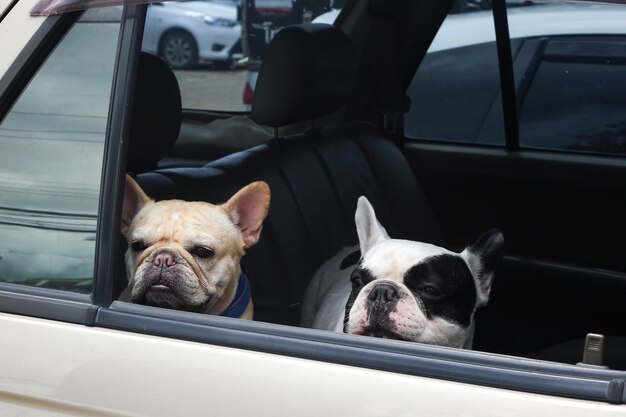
[(404, 290)]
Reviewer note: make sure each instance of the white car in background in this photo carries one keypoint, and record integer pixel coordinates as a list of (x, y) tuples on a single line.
[(186, 33)]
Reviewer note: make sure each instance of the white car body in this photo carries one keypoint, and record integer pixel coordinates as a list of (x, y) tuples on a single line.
[(76, 370)]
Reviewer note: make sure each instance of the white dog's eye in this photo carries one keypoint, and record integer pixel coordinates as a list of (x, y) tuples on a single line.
[(202, 252), (357, 279), (431, 291), (138, 245)]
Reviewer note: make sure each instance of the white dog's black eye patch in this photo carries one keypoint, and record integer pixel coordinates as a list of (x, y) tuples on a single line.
[(359, 274), (445, 286)]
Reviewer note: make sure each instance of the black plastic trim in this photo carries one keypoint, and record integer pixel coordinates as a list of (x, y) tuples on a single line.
[(507, 79), (45, 303), (114, 165), (406, 358)]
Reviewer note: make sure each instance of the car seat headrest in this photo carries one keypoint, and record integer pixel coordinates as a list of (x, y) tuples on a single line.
[(156, 114), (309, 71)]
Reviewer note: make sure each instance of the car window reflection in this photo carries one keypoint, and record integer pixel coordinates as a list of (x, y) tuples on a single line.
[(51, 149)]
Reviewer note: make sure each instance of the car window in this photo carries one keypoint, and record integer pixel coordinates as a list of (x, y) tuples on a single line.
[(572, 93), (567, 59), (51, 152), (201, 40), (455, 93)]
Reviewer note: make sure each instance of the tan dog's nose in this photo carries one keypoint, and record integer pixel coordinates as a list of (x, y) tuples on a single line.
[(164, 258)]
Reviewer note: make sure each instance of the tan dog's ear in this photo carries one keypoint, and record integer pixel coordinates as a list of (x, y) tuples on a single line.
[(134, 200), (247, 209)]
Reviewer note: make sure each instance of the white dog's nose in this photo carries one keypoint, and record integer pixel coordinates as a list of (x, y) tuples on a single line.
[(382, 294), (163, 258)]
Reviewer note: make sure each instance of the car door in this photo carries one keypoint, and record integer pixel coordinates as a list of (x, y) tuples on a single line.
[(556, 188)]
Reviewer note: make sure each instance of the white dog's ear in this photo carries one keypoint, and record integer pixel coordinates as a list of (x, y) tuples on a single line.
[(248, 208), (368, 228), (483, 257), (134, 200)]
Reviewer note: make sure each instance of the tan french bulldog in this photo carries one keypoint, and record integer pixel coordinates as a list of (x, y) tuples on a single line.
[(185, 255)]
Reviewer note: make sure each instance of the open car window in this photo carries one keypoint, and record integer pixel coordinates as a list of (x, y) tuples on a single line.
[(215, 48)]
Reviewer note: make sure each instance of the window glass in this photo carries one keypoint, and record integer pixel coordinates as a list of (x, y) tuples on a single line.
[(51, 151), (568, 60), (201, 40), (571, 89), (455, 93)]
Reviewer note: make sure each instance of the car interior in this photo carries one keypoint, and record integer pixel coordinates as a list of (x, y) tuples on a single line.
[(326, 127)]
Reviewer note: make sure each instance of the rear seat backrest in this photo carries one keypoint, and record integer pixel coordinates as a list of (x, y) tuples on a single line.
[(309, 71), (156, 114), (315, 179)]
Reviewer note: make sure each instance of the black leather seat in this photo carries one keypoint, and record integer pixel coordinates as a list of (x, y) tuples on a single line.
[(315, 177), (156, 114)]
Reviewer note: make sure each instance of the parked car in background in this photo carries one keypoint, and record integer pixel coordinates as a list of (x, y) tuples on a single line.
[(189, 32)]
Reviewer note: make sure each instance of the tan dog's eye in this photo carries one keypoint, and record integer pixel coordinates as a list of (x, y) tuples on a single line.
[(138, 245), (202, 252)]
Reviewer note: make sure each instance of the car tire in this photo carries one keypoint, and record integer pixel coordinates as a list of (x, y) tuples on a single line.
[(179, 49)]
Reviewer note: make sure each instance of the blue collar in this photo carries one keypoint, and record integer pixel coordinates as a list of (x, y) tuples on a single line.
[(241, 300)]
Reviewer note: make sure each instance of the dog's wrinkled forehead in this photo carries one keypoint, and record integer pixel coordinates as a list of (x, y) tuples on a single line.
[(392, 258), (181, 221)]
